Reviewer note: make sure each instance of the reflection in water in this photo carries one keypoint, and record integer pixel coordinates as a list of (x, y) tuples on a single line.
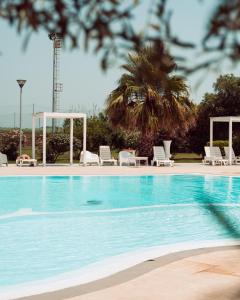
[(43, 192), (212, 190), (74, 193), (230, 188), (76, 221)]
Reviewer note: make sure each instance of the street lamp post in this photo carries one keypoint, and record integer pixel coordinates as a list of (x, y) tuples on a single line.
[(21, 83)]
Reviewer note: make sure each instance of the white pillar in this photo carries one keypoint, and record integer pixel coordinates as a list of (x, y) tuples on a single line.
[(211, 132), (44, 139), (84, 138), (230, 141), (71, 141), (33, 136)]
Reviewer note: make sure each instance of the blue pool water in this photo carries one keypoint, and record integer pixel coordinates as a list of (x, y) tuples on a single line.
[(56, 224)]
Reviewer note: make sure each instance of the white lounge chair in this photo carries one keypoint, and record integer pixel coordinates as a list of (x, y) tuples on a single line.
[(127, 158), (105, 156), (235, 159), (91, 158), (3, 159), (159, 157), (214, 156), (26, 160)]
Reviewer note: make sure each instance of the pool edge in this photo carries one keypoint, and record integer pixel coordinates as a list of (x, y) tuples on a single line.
[(136, 266)]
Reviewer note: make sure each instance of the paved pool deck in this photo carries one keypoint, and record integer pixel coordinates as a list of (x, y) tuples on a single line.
[(208, 276), (202, 274), (179, 168)]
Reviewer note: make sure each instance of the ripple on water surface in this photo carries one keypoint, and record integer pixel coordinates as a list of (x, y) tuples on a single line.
[(51, 225)]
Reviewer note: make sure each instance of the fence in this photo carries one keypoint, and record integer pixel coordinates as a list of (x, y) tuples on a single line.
[(10, 116)]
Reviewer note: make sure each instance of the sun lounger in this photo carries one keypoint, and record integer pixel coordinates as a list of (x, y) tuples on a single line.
[(214, 156), (159, 157), (3, 159), (235, 159), (25, 159), (90, 159), (126, 158), (105, 156)]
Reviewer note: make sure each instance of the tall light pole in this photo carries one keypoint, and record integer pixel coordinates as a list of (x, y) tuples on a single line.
[(21, 83), (57, 86)]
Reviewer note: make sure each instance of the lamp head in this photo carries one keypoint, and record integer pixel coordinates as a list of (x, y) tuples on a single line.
[(21, 82), (54, 36)]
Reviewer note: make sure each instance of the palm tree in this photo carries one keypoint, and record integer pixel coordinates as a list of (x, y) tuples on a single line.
[(148, 98)]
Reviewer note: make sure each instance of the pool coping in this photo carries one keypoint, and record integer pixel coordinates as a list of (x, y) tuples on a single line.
[(114, 270), (128, 274), (123, 175)]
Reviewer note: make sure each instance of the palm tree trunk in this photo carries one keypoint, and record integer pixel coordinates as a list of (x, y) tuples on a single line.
[(145, 147)]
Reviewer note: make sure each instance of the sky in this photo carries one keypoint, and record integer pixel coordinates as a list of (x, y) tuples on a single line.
[(85, 85)]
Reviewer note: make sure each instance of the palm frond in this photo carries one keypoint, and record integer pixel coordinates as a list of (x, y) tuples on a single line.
[(148, 97)]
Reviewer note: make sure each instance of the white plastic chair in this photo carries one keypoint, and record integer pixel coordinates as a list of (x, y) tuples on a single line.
[(214, 156), (90, 158), (235, 159), (125, 157), (105, 156), (159, 157), (3, 159)]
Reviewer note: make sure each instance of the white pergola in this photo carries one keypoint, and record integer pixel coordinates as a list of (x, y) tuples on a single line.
[(230, 120), (56, 115)]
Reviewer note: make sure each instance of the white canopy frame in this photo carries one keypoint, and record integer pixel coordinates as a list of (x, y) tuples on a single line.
[(230, 120), (55, 115)]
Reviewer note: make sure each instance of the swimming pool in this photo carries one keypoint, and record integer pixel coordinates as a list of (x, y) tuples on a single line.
[(52, 225)]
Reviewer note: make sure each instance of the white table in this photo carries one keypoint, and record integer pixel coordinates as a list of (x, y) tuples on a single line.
[(141, 158)]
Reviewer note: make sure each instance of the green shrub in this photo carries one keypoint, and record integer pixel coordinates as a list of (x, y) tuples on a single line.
[(57, 145), (221, 144), (224, 143), (9, 143), (100, 132)]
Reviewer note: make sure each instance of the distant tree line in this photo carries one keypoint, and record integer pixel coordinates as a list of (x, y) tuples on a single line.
[(150, 103), (224, 101)]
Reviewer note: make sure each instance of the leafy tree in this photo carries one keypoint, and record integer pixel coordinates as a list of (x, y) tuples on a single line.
[(108, 26), (149, 98), (100, 132), (223, 29), (225, 101), (102, 25)]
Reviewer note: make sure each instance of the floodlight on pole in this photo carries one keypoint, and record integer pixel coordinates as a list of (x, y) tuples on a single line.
[(57, 86), (21, 83)]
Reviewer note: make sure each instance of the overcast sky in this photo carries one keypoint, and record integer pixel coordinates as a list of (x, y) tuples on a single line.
[(84, 84)]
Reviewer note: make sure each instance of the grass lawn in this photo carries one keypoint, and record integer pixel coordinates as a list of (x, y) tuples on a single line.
[(187, 157), (178, 157), (62, 159)]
